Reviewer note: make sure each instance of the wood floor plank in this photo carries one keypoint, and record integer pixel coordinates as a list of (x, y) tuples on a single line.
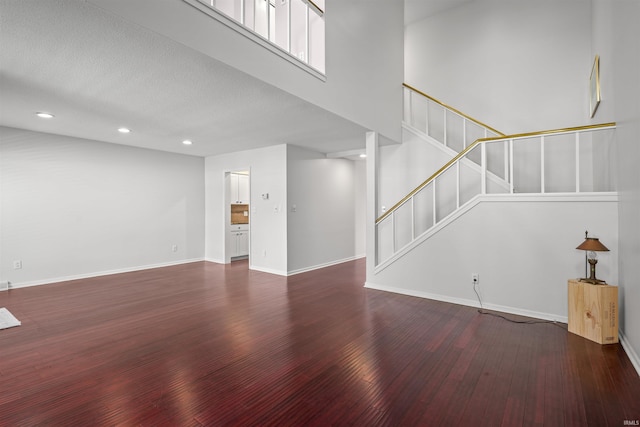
[(204, 344)]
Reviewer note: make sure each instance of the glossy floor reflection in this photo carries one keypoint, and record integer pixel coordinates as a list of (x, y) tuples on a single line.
[(215, 345)]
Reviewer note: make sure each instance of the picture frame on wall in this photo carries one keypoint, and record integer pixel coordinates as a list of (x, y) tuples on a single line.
[(594, 86)]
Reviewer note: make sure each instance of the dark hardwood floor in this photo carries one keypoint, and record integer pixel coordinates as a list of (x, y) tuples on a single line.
[(207, 344)]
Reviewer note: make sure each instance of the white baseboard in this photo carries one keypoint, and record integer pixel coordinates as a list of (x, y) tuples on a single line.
[(527, 313), (629, 350), (631, 353), (323, 265), (268, 270), (469, 303), (293, 272), (215, 260), (100, 273)]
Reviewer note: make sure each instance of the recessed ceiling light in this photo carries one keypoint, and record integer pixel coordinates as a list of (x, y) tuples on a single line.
[(124, 130), (187, 142), (44, 115), (362, 156)]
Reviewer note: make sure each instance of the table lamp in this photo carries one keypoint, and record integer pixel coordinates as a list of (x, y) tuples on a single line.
[(592, 245)]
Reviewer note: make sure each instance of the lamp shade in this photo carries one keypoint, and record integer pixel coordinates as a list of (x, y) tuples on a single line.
[(592, 244)]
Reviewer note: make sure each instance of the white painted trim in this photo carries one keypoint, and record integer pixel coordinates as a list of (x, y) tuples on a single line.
[(468, 302), (527, 313), (516, 197), (609, 196), (268, 270), (100, 273), (348, 153), (631, 353), (323, 265), (420, 294), (433, 230), (452, 153), (169, 264), (255, 37), (428, 138)]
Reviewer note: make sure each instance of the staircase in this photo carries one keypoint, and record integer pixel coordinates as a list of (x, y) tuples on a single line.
[(484, 164)]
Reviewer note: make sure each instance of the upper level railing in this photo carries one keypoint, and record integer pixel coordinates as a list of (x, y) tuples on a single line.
[(442, 122), (571, 160), (294, 28)]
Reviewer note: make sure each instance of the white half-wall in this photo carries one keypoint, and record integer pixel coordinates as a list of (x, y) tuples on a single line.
[(268, 217), (524, 252), (321, 210), (516, 65), (73, 208)]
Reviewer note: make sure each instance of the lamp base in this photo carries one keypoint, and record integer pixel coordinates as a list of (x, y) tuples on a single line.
[(593, 281)]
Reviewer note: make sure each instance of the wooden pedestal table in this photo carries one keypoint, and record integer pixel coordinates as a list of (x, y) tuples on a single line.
[(593, 311)]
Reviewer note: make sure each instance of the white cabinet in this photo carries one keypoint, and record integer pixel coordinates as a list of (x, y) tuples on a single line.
[(243, 188), (239, 188), (233, 194), (239, 227), (239, 241), (243, 243)]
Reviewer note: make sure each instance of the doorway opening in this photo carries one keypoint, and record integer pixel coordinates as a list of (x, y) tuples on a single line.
[(238, 215)]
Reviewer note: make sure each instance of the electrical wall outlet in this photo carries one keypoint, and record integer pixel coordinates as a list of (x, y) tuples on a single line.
[(475, 279), (174, 248), (17, 264)]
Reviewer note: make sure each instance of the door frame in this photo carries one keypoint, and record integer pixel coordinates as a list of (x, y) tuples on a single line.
[(226, 208)]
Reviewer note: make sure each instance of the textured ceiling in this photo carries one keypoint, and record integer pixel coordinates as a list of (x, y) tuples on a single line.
[(97, 72), (416, 10)]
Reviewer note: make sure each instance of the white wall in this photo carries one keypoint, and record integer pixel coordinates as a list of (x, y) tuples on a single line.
[(268, 235), (75, 208), (517, 66), (615, 39), (360, 213), (321, 227), (364, 50), (523, 251), (402, 167)]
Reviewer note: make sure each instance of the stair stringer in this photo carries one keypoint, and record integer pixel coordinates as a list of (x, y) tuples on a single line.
[(524, 253)]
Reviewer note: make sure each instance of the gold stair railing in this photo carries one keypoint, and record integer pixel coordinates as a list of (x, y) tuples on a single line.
[(479, 141), (468, 176), (442, 122), (448, 107)]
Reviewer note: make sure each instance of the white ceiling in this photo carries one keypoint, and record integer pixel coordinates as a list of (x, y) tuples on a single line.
[(96, 72)]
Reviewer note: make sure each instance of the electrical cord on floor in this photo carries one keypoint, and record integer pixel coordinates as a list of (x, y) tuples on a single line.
[(522, 322)]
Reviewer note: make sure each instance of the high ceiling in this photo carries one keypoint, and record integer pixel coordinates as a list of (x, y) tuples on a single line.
[(96, 73)]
